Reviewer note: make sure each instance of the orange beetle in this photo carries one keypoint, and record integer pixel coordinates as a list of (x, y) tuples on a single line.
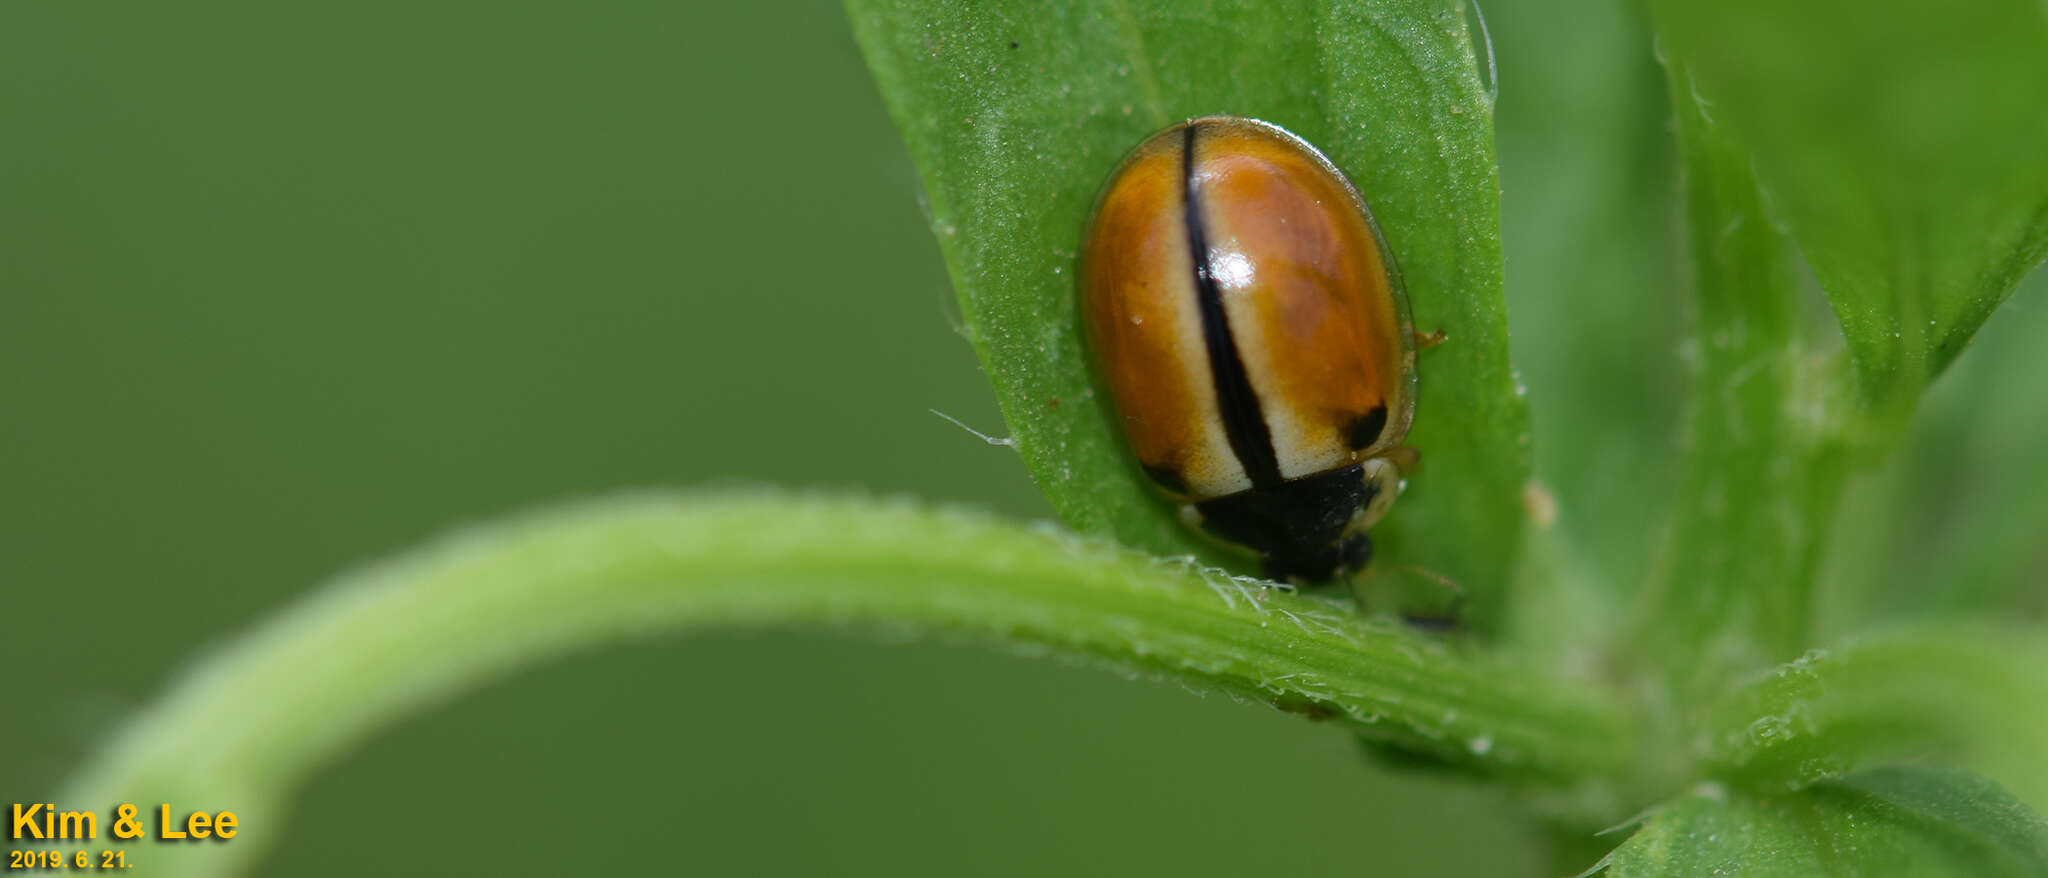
[(1251, 326)]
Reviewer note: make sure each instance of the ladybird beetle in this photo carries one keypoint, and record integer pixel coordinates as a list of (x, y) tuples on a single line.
[(1251, 327)]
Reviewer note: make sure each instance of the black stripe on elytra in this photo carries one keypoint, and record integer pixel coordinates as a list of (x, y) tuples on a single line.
[(1243, 423)]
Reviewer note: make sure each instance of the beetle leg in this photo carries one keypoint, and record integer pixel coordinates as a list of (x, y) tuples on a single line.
[(1404, 457), (1423, 598)]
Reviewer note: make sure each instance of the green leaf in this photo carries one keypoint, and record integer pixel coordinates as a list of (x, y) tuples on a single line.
[(1900, 145), (1894, 821), (1975, 696), (385, 641), (1015, 113)]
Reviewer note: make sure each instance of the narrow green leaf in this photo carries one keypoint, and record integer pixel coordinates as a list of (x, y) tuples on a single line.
[(1895, 821), (1900, 144), (383, 642), (1016, 112), (1974, 696)]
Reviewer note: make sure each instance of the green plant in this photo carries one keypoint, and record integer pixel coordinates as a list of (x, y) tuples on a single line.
[(1908, 180)]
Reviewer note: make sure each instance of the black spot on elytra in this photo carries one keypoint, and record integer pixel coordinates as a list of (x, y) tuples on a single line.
[(1365, 429)]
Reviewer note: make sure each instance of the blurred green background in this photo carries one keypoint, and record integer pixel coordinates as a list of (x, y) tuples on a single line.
[(288, 286)]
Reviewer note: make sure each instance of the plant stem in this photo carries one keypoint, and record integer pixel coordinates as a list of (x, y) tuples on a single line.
[(1733, 588), (383, 642), (1970, 695)]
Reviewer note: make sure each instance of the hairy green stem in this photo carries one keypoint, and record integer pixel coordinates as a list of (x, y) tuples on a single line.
[(1970, 695), (385, 641)]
